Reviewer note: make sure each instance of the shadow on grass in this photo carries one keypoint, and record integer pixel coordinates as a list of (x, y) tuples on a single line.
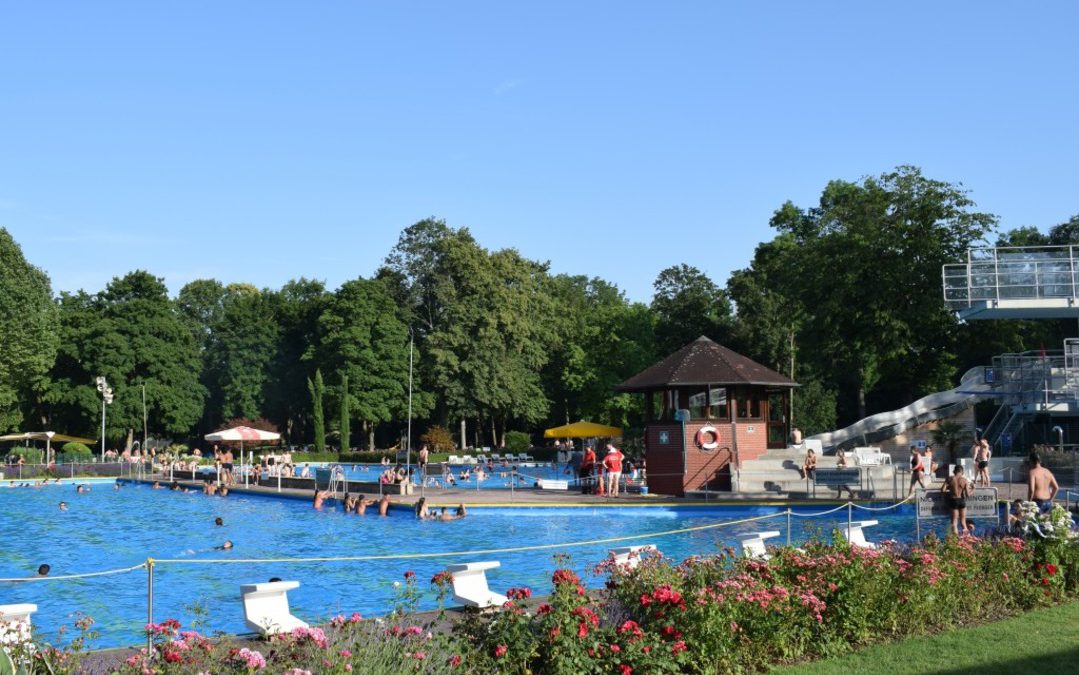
[(1064, 662)]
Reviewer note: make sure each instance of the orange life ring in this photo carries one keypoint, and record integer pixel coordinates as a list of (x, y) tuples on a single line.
[(707, 445)]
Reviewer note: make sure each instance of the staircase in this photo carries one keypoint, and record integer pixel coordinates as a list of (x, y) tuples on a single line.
[(777, 473)]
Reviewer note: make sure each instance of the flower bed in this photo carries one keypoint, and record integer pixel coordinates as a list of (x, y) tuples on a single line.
[(721, 613)]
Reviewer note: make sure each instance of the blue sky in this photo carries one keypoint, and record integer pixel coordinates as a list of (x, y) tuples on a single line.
[(264, 141)]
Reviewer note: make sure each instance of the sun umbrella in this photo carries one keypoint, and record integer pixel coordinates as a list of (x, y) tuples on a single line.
[(582, 430), (242, 434), (48, 437)]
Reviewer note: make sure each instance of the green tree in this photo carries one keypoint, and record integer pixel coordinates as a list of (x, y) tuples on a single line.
[(346, 425), (241, 351), (868, 270), (296, 309), (317, 389), (492, 343), (361, 336), (29, 322), (132, 334), (687, 305)]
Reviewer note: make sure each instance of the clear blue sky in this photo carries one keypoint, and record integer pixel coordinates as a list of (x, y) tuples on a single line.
[(264, 141)]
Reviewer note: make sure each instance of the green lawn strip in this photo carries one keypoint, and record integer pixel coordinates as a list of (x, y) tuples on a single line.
[(1044, 641)]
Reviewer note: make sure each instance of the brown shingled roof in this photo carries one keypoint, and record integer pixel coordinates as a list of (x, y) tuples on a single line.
[(704, 362)]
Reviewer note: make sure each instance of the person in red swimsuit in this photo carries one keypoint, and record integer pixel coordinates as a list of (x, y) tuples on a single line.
[(588, 465)]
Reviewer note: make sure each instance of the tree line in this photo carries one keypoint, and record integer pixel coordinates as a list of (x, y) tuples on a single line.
[(846, 298)]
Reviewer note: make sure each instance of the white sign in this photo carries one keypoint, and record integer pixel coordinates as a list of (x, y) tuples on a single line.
[(664, 437), (934, 504)]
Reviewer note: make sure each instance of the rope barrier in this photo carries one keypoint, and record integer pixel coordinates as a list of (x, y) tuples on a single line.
[(85, 575), (820, 513), (448, 554)]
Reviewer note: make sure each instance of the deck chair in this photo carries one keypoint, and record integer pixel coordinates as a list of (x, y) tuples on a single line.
[(630, 556), (470, 585), (19, 613), (856, 536), (753, 544), (266, 607)]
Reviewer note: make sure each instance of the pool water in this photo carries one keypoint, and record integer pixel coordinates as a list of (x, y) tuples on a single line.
[(109, 528)]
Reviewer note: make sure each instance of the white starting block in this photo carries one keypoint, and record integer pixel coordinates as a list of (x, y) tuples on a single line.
[(856, 536), (470, 585), (17, 613), (266, 607), (630, 556), (753, 544)]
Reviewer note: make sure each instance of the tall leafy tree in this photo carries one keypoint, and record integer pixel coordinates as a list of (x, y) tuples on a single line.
[(868, 270), (29, 334), (131, 334), (296, 309), (492, 344), (361, 336), (242, 348), (687, 305)]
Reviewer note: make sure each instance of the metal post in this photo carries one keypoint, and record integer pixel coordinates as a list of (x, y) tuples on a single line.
[(788, 526), (149, 606), (408, 436), (279, 479), (102, 428), (850, 513)]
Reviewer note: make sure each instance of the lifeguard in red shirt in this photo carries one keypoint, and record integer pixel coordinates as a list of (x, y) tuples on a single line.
[(613, 463)]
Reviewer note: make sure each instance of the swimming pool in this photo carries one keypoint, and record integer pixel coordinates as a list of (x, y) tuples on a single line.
[(107, 529)]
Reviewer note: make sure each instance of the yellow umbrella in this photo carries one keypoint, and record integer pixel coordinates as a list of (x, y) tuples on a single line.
[(583, 430)]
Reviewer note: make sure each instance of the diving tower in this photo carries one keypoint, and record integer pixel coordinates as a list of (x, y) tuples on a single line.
[(1014, 282)]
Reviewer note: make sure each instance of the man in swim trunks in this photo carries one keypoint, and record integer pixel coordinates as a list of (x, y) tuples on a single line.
[(226, 466), (384, 505), (1041, 484), (809, 467), (982, 453), (362, 503), (917, 470), (956, 490)]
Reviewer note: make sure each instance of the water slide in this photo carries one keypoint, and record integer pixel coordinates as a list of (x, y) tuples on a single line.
[(971, 388)]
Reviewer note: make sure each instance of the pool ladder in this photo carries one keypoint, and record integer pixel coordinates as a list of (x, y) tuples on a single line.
[(337, 480)]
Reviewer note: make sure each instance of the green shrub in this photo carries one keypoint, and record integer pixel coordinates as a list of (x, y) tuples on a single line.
[(74, 449), (31, 455), (518, 441)]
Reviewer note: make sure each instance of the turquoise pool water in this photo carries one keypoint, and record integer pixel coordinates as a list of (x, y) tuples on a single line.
[(107, 529)]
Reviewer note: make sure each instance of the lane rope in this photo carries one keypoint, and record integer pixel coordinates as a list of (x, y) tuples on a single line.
[(85, 575)]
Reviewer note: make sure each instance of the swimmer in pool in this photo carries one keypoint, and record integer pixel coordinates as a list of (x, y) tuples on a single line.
[(227, 546), (320, 496), (219, 522), (362, 503), (63, 506), (421, 509), (383, 505)]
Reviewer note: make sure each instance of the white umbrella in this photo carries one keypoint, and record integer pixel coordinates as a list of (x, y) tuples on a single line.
[(242, 434)]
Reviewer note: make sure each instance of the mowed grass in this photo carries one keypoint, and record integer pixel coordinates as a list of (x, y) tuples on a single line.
[(1042, 642)]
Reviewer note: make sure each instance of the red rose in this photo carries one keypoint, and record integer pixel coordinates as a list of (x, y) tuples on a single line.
[(500, 651)]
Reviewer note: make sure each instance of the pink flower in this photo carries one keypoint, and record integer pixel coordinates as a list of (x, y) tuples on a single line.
[(626, 670), (455, 660), (679, 646), (252, 659), (500, 651), (345, 653), (409, 574), (355, 618), (519, 593), (419, 656), (413, 630)]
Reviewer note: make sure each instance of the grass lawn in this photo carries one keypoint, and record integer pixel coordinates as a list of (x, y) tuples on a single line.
[(1042, 642)]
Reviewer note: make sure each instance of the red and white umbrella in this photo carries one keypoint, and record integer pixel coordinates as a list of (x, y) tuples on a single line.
[(242, 434)]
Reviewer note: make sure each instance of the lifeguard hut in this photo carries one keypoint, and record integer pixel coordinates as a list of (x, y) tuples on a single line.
[(708, 408)]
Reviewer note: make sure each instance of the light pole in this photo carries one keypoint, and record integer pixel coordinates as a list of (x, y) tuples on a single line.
[(408, 433), (106, 399)]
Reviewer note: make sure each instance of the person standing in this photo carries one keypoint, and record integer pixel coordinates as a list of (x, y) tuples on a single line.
[(588, 465), (917, 470), (982, 453), (956, 490), (613, 463), (1041, 484), (424, 455)]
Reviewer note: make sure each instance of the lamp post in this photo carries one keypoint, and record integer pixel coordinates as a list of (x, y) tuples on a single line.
[(408, 433), (106, 399)]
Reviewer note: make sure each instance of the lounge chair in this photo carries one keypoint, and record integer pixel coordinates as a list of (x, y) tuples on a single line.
[(753, 544), (266, 607), (19, 613), (453, 459), (527, 458), (856, 536), (470, 585), (630, 556)]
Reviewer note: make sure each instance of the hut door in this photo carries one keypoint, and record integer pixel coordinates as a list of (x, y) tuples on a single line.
[(777, 419)]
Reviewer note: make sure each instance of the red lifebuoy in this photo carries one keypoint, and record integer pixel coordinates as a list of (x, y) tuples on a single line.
[(700, 438)]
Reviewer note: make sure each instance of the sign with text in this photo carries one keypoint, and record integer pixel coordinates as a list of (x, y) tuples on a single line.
[(837, 477), (934, 504)]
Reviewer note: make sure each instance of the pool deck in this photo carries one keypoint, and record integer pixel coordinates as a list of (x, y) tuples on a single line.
[(530, 497)]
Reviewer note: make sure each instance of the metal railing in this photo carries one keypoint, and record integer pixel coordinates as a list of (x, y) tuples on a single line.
[(1011, 273)]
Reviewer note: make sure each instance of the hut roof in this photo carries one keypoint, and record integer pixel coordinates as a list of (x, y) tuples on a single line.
[(704, 362)]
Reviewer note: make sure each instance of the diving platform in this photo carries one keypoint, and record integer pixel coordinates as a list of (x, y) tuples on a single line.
[(1014, 282)]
